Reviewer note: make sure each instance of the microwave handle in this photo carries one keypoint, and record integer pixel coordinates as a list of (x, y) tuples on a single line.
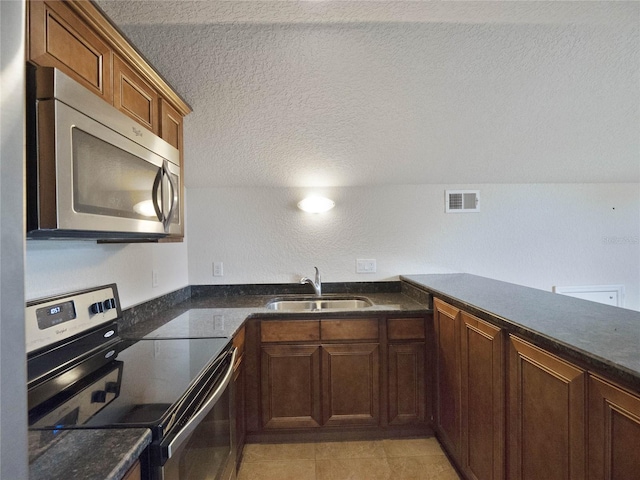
[(174, 199), (154, 194)]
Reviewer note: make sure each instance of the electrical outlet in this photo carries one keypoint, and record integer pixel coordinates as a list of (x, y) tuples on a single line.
[(366, 265), (154, 278), (218, 322), (218, 270)]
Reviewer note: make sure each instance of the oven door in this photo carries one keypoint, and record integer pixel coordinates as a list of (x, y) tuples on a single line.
[(201, 448)]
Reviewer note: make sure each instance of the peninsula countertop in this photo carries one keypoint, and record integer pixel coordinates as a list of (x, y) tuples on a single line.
[(604, 337)]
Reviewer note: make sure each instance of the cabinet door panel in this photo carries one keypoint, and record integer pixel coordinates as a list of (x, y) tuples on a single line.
[(447, 327), (350, 379), (290, 386), (546, 415), (134, 96), (483, 381), (614, 432), (170, 124), (58, 38), (407, 402)]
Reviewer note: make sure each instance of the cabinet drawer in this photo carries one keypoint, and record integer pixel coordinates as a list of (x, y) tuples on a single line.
[(290, 331), (356, 329), (406, 329)]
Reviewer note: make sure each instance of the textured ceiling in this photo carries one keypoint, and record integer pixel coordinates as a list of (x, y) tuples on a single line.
[(368, 93)]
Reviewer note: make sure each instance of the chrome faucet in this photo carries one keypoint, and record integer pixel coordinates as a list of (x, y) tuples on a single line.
[(317, 285)]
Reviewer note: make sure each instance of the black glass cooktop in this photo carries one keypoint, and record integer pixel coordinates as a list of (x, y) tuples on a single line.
[(128, 384)]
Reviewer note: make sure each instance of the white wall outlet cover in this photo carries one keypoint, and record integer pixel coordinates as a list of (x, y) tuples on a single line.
[(218, 269), (365, 265), (154, 278)]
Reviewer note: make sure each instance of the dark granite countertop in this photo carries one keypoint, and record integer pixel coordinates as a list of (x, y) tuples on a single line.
[(223, 315), (104, 454), (605, 338)]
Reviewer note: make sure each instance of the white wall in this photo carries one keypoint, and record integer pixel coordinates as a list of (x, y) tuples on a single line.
[(537, 235), (63, 266), (13, 381)]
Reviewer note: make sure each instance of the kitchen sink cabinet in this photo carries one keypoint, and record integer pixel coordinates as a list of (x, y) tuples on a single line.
[(336, 376), (290, 384), (407, 401), (351, 384), (614, 431), (483, 399), (447, 320), (546, 413)]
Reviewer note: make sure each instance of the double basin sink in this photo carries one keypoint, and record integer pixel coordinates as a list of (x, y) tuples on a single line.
[(318, 304)]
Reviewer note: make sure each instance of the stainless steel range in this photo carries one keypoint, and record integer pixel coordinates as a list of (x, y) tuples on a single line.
[(81, 374)]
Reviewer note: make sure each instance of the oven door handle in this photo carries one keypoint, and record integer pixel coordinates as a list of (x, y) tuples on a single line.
[(193, 422)]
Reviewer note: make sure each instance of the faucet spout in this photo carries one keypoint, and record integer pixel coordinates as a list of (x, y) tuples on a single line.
[(317, 283)]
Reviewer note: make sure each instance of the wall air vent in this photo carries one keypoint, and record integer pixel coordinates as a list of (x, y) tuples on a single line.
[(462, 201)]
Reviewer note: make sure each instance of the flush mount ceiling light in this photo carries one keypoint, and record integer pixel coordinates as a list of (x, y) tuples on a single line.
[(315, 204)]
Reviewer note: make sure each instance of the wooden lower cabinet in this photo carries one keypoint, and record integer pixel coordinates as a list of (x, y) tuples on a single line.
[(134, 473), (238, 390), (407, 383), (350, 384), (447, 380), (290, 386), (483, 396), (547, 415), (614, 432)]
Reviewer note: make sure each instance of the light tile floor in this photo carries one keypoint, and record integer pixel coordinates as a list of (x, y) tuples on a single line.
[(402, 459)]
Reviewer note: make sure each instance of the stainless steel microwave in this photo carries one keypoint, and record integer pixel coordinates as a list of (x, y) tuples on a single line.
[(93, 172)]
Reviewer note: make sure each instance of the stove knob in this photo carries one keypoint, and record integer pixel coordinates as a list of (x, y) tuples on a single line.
[(111, 387), (96, 308), (99, 396), (109, 304)]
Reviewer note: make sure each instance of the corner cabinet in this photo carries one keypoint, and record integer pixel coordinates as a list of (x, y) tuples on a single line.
[(470, 391), (75, 37)]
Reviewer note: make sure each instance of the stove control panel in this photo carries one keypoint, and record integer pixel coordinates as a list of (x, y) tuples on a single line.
[(54, 319)]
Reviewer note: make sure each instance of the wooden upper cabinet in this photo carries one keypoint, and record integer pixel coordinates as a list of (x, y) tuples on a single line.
[(614, 432), (170, 124), (547, 414), (59, 38), (134, 96)]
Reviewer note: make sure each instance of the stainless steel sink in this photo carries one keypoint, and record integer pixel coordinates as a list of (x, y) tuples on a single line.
[(318, 304)]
